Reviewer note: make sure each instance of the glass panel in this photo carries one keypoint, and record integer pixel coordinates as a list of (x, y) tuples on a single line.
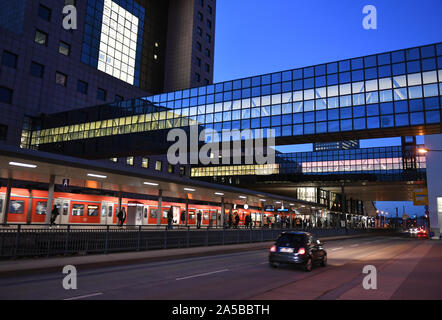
[(430, 77), (385, 83), (414, 79)]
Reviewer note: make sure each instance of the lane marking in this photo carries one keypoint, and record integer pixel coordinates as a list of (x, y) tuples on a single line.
[(86, 296), (335, 249), (202, 275)]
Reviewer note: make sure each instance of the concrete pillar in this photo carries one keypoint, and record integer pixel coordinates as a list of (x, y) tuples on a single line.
[(223, 211), (434, 182), (343, 205), (291, 220), (50, 199), (160, 205), (120, 201), (7, 200), (262, 217), (187, 212), (29, 213)]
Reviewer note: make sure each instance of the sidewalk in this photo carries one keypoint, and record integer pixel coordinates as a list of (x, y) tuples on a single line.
[(10, 268)]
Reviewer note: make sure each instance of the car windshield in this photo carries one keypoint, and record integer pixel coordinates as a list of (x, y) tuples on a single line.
[(290, 240)]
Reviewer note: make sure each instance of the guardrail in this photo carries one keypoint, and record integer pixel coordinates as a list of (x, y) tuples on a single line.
[(44, 240)]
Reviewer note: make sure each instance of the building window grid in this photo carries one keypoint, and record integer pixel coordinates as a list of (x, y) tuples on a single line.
[(200, 96)]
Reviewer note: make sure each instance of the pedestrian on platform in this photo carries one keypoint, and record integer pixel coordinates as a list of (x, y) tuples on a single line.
[(169, 219), (54, 214), (246, 221), (237, 220), (183, 217), (198, 220), (121, 217)]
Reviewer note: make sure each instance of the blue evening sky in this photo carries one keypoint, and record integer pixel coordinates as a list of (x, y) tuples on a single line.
[(258, 36)]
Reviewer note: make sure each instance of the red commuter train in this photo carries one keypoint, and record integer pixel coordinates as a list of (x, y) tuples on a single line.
[(84, 209)]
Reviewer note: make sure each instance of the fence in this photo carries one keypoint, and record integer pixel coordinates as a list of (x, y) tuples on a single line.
[(30, 241)]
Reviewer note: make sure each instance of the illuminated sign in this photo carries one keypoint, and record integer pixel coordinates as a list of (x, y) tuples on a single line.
[(420, 197), (439, 205)]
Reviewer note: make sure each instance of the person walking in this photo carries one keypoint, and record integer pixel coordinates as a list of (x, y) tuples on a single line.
[(230, 220), (121, 217), (54, 214), (237, 221), (183, 217), (169, 219), (246, 221), (198, 220)]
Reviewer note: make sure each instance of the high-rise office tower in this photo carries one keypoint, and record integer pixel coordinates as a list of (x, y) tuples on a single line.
[(120, 49)]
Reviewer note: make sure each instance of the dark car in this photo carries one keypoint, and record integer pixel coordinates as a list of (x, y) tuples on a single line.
[(299, 248)]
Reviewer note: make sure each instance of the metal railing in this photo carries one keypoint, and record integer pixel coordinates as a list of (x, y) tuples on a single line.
[(44, 240)]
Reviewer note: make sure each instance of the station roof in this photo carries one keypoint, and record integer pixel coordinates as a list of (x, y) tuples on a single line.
[(116, 177)]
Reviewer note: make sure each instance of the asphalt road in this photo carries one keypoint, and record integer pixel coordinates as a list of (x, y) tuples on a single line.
[(406, 269)]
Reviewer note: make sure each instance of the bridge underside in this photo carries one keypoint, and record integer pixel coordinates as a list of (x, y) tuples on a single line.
[(365, 191)]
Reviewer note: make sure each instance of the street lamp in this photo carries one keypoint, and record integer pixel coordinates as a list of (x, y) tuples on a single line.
[(425, 150)]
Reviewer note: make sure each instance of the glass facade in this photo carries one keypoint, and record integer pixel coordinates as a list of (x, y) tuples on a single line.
[(113, 37), (393, 90)]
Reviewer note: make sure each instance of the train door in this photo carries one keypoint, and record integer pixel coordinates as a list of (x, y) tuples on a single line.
[(63, 210), (135, 214), (107, 213), (145, 215), (2, 206), (176, 211)]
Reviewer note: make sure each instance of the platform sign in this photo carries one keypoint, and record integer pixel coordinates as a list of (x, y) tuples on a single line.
[(420, 197), (65, 182)]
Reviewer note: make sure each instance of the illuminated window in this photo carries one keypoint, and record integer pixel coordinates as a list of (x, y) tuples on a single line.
[(118, 44), (130, 161), (145, 163), (158, 166)]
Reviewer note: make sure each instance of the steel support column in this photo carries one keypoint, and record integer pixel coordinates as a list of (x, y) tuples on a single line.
[(50, 199), (7, 200), (160, 205)]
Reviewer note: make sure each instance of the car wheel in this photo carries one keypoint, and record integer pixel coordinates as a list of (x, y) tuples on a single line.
[(274, 265), (324, 261), (308, 266)]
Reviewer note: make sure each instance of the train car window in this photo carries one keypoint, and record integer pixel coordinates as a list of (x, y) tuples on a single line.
[(192, 216), (77, 209), (1, 205), (17, 207), (65, 209), (103, 212), (165, 213), (206, 216), (109, 210), (40, 209), (92, 211), (153, 213), (145, 212)]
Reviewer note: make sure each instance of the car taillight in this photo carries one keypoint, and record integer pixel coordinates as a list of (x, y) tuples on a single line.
[(301, 251), (273, 249)]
